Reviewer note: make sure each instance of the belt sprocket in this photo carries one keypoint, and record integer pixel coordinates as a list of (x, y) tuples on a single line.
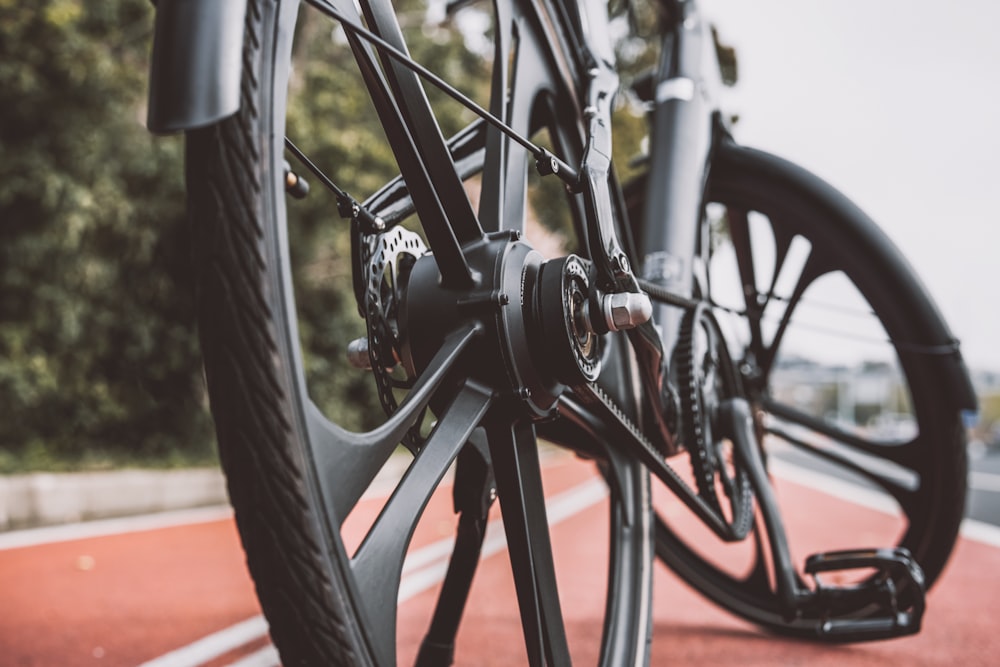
[(706, 375)]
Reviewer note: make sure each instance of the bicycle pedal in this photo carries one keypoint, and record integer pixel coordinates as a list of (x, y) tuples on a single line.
[(896, 590)]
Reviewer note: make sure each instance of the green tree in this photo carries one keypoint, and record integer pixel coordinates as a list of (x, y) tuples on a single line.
[(97, 347)]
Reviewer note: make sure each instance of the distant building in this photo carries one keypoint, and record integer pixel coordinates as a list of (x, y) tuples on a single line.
[(869, 395)]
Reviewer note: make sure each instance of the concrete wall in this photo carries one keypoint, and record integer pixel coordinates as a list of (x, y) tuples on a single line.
[(52, 498)]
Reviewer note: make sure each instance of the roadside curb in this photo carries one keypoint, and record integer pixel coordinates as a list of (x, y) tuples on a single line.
[(45, 499)]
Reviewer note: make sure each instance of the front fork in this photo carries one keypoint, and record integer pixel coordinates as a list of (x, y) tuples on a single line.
[(684, 128), (618, 302)]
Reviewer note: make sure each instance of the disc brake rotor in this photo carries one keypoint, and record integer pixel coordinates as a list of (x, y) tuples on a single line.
[(387, 260)]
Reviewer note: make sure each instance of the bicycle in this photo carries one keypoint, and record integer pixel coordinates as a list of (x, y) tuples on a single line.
[(456, 314)]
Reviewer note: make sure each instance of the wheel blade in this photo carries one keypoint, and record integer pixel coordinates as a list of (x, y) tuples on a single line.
[(378, 563), (629, 603), (337, 451), (522, 501), (877, 465)]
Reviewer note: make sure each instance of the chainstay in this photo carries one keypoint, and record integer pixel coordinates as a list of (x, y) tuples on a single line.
[(591, 396)]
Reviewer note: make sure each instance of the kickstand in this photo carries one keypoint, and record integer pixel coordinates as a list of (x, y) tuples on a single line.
[(473, 493)]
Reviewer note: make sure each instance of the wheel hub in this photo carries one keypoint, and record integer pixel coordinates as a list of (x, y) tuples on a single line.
[(531, 312)]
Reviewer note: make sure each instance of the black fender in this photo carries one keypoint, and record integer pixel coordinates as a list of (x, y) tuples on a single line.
[(197, 63)]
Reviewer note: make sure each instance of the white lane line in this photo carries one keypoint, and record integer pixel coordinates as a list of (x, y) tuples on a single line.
[(980, 531), (972, 529), (214, 645), (104, 527), (427, 566)]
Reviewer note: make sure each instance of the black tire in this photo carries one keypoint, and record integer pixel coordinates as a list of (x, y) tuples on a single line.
[(759, 206), (293, 474)]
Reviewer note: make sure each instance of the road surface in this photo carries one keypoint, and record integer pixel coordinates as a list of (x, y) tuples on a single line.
[(172, 591)]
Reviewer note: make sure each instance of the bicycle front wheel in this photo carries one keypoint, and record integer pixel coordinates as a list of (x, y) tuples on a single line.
[(856, 382), (432, 294)]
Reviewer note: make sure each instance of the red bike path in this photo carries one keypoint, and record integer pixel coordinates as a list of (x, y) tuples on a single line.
[(180, 596)]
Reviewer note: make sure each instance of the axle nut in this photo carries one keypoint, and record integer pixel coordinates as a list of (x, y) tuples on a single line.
[(626, 310)]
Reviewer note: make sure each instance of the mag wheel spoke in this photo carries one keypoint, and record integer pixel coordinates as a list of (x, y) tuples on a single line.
[(519, 485), (378, 563), (807, 298), (899, 482), (629, 603), (794, 295), (353, 459)]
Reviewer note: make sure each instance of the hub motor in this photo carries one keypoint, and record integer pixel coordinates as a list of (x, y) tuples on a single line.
[(533, 315)]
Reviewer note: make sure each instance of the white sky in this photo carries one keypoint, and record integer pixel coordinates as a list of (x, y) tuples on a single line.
[(895, 102)]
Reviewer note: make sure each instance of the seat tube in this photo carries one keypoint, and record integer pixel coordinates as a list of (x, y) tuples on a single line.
[(680, 144)]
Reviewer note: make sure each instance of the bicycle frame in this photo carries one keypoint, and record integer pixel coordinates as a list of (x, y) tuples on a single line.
[(685, 126), (184, 96), (198, 88)]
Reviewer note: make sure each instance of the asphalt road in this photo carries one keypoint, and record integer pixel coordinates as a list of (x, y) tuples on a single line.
[(178, 595)]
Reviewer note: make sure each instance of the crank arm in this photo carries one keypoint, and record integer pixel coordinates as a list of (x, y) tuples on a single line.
[(614, 271), (892, 599), (736, 422), (619, 303)]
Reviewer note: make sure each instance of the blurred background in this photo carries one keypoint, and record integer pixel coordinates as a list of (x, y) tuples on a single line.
[(98, 358), (893, 102)]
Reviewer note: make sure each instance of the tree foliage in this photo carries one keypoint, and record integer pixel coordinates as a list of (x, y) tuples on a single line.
[(97, 351), (97, 337)]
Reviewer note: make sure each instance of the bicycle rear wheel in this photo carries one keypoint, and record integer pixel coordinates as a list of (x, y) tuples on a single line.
[(298, 431), (857, 385)]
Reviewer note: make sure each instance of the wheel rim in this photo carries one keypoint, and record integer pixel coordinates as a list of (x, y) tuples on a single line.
[(466, 403), (774, 255)]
